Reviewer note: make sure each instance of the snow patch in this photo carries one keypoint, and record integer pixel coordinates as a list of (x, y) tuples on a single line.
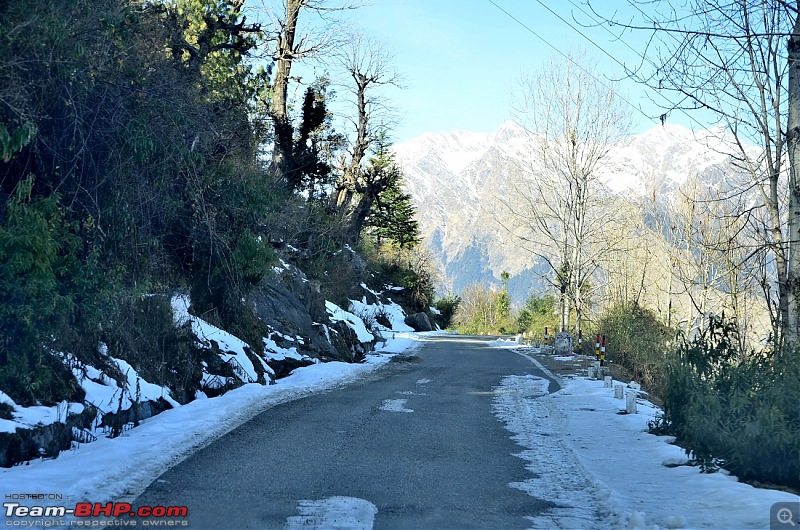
[(538, 426), (337, 314), (395, 405), (604, 470), (206, 333), (333, 513)]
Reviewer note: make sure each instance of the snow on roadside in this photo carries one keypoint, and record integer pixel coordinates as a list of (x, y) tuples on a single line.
[(109, 469), (577, 439), (538, 426)]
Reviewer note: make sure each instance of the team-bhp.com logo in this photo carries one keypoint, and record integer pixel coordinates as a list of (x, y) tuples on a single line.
[(116, 514)]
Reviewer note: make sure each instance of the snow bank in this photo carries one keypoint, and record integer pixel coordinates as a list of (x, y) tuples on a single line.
[(112, 468), (605, 470)]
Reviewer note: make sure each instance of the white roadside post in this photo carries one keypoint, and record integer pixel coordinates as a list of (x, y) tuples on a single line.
[(630, 401), (607, 381), (619, 391)]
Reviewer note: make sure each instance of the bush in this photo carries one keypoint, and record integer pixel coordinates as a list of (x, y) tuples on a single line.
[(637, 340), (45, 278), (483, 310), (538, 313), (735, 411), (409, 268), (447, 306)]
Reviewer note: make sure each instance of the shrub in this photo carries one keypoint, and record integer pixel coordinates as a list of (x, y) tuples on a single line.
[(483, 310), (740, 412), (637, 340), (447, 306), (539, 312)]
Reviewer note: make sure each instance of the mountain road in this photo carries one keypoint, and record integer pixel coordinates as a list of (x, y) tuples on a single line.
[(414, 445)]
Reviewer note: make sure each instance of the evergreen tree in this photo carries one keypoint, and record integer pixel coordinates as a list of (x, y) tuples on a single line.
[(391, 217)]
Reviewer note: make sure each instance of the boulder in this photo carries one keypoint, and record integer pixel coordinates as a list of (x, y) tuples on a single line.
[(420, 322), (563, 343)]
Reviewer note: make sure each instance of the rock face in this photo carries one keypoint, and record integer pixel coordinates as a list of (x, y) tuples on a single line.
[(290, 313), (293, 306), (420, 322)]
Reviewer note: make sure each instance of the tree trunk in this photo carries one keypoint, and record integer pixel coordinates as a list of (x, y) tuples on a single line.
[(284, 55), (792, 325)]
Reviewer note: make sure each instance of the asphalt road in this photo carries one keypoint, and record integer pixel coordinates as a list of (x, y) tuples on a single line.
[(447, 464)]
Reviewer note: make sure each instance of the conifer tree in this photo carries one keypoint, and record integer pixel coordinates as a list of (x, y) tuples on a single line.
[(391, 215)]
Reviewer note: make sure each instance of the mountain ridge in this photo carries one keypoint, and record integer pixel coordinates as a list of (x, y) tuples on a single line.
[(453, 178)]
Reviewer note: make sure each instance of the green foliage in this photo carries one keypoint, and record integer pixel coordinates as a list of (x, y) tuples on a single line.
[(734, 410), (447, 306), (39, 272), (538, 313), (228, 257), (19, 138), (391, 217), (483, 310), (309, 168), (503, 302), (637, 340), (153, 153), (409, 268)]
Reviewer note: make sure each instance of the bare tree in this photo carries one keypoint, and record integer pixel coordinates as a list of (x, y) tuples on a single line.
[(574, 121), (368, 66), (292, 45), (739, 59)]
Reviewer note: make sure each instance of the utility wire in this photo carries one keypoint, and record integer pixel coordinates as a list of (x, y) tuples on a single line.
[(638, 109), (672, 105), (603, 84)]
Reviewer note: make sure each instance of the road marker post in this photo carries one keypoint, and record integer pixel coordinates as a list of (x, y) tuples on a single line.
[(597, 348), (630, 401), (603, 351)]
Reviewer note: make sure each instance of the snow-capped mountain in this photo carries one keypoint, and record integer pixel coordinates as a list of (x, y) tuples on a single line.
[(455, 178)]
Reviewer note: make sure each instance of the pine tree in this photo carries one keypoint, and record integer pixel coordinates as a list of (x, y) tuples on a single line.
[(391, 217)]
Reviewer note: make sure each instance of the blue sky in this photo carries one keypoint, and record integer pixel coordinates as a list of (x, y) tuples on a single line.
[(462, 59)]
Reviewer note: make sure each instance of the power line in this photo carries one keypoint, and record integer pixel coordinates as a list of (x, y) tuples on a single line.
[(638, 109), (568, 58), (672, 105), (625, 68)]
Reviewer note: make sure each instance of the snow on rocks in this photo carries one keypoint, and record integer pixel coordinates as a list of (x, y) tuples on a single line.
[(337, 314), (29, 417), (232, 346), (120, 468)]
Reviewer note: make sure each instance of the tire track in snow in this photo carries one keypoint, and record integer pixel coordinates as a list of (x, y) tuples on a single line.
[(558, 476)]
